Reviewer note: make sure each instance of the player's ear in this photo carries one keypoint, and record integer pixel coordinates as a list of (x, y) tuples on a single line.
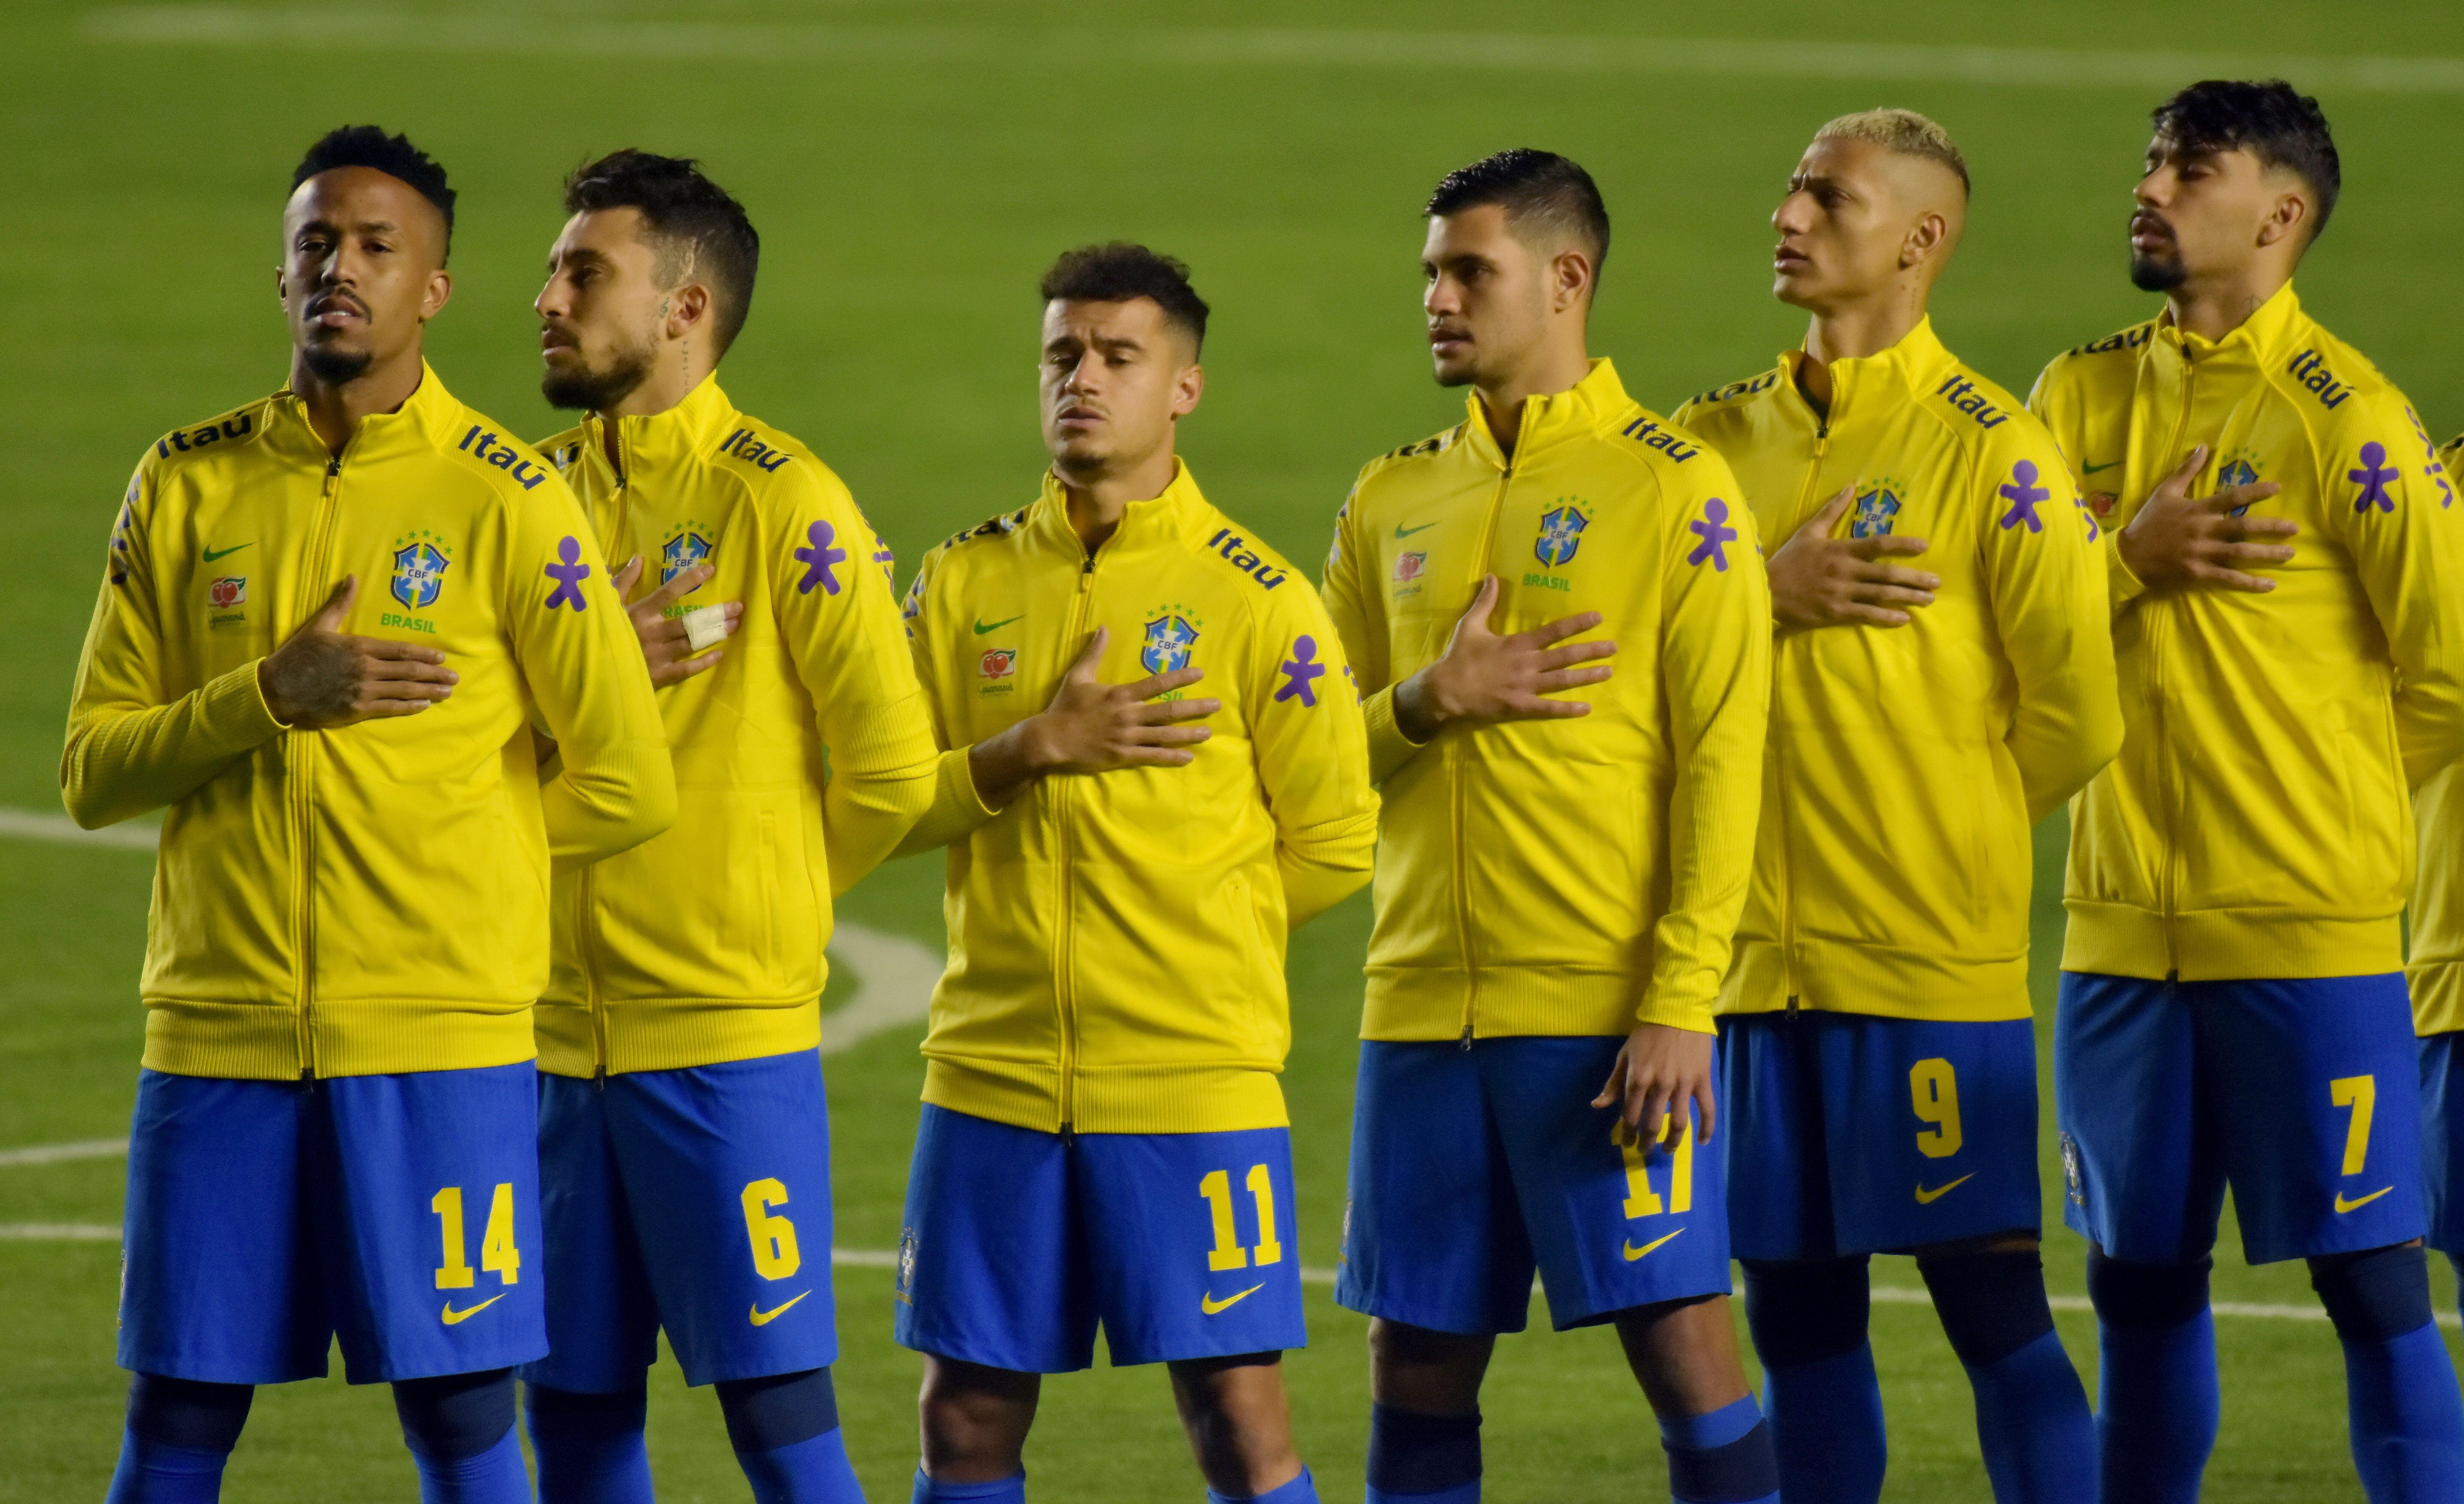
[(1926, 240), (1188, 385), (2287, 217), (688, 310), (1570, 279), (440, 291)]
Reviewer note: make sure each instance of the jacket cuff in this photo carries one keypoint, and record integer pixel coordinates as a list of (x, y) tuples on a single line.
[(233, 712), (957, 810), (1389, 748), (2121, 586), (1660, 1005)]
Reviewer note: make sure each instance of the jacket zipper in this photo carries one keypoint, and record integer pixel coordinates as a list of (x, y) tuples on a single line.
[(1454, 751), (1779, 791), (303, 752), (587, 924), (1065, 990), (2159, 631)]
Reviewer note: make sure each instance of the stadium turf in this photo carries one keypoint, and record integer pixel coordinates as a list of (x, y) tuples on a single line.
[(912, 167)]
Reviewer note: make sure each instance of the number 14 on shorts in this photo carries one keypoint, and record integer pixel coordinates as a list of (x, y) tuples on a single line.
[(498, 1253)]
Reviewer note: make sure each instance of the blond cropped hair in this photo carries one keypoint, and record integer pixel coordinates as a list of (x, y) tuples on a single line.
[(1903, 131)]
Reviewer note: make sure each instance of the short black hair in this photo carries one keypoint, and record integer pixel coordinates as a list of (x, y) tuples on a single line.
[(1538, 187), (394, 156), (697, 227), (2270, 120), (1118, 270)]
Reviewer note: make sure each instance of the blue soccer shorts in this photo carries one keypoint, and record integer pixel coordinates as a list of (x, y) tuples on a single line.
[(1019, 1243), (1473, 1168), (1851, 1134), (2305, 1096), (2442, 1139), (397, 1213), (696, 1201)]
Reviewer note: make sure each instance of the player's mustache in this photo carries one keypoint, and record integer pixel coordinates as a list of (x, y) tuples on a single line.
[(2148, 222), (327, 302)]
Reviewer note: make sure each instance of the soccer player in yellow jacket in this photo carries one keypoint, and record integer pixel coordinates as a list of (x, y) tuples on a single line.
[(1557, 879), (329, 619), (1103, 1140), (684, 1135), (2287, 576), (1878, 1054), (2434, 969)]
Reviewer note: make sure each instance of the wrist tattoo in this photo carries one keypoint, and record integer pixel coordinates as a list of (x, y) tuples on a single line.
[(313, 676)]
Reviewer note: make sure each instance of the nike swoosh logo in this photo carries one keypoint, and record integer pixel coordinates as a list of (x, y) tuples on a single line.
[(453, 1317), (1633, 1252), (1927, 1198), (982, 627), (214, 554), (1214, 1307), (2343, 1206), (1402, 532), (761, 1318), (2090, 470)]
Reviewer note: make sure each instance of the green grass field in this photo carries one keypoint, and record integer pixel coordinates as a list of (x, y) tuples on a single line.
[(913, 166)]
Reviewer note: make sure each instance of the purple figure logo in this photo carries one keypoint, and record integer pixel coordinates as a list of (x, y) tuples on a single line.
[(1714, 531), (2023, 494), (2372, 477), (817, 560), (1300, 671), (568, 575)]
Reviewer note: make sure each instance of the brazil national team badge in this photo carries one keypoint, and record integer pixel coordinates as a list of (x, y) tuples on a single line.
[(1878, 502), (685, 547), (1170, 637), (419, 566), (2239, 467), (1561, 533)]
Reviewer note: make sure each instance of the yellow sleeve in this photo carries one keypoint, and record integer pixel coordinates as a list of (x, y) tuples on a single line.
[(1364, 645), (2056, 405), (2041, 563), (1716, 667), (840, 624), (133, 745), (613, 786), (2390, 501), (1312, 752), (954, 810)]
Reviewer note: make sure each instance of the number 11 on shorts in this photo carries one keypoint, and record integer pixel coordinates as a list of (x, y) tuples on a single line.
[(1228, 1254)]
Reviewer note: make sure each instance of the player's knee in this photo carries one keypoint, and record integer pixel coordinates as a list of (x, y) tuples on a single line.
[(968, 1411), (2375, 1294), (1411, 1452), (780, 1410), (187, 1413), (1804, 1311), (570, 1412), (1992, 1303), (2151, 1297), (456, 1415)]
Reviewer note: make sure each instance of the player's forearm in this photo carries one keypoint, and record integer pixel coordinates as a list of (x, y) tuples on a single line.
[(606, 799), (121, 764), (954, 811)]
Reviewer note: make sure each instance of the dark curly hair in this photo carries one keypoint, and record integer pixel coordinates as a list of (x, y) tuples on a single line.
[(394, 156), (695, 227), (1118, 270), (2272, 121)]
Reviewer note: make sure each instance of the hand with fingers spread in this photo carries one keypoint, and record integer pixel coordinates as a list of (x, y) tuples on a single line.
[(2177, 541), (1658, 1072), (665, 643), (1485, 678), (321, 678), (1092, 727), (1820, 580)]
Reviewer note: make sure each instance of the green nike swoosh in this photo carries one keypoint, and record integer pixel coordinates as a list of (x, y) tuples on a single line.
[(982, 627), (2090, 470), (214, 554), (1402, 532)]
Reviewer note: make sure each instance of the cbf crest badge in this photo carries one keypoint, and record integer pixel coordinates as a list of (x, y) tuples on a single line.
[(419, 566), (1169, 639), (1561, 533), (1876, 505), (686, 546)]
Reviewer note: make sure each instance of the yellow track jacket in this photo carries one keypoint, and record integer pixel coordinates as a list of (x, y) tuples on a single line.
[(1560, 877), (372, 899), (801, 759), (2257, 822), (1907, 765), (1116, 940), (2437, 968)]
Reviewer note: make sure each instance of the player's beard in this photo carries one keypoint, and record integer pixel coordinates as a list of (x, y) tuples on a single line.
[(584, 389), (336, 366), (2157, 274)]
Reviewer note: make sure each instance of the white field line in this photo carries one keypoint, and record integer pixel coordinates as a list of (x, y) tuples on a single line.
[(749, 43), (34, 825), (57, 1153)]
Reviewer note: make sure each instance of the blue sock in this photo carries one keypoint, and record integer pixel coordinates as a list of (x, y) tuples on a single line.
[(2407, 1420), (151, 1473), (814, 1471), (1421, 1458), (2156, 1410), (2033, 1427), (495, 1476), (589, 1447), (1011, 1490), (1723, 1456), (1826, 1428), (1302, 1490)]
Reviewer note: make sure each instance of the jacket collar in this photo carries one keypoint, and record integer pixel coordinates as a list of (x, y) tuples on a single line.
[(1158, 520), (2267, 338), (659, 440), (1915, 363), (424, 421), (1585, 408)]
